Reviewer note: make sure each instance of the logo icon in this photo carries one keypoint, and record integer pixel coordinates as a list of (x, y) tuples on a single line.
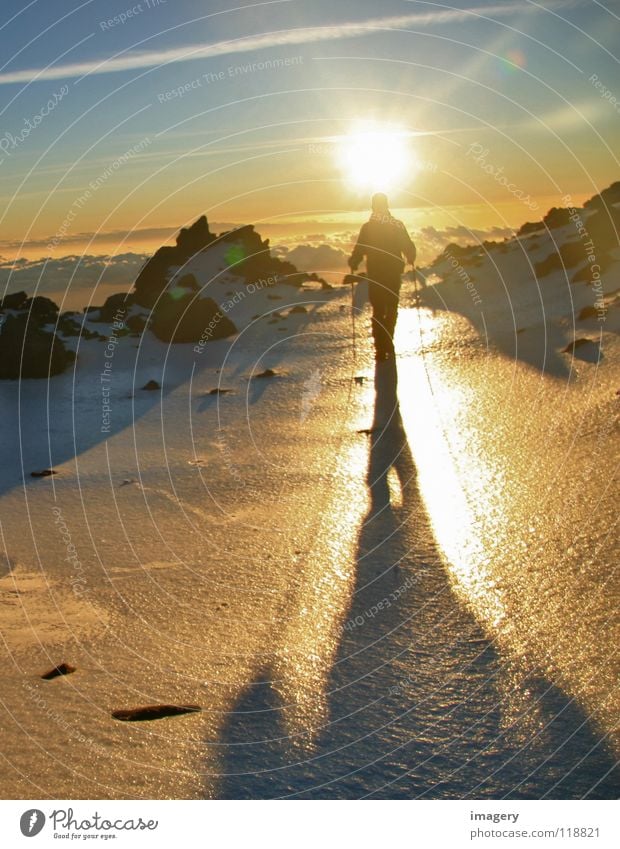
[(32, 822)]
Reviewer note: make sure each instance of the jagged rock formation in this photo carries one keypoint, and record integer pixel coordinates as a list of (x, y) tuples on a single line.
[(248, 256)]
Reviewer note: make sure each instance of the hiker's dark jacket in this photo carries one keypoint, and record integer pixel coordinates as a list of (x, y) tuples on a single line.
[(384, 241)]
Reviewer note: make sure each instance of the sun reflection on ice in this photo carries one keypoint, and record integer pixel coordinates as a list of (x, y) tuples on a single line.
[(444, 457)]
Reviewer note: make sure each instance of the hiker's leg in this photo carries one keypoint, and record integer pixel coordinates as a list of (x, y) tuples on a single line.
[(390, 315), (377, 301)]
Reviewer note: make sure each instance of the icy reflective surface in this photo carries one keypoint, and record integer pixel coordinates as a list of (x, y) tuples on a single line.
[(423, 611)]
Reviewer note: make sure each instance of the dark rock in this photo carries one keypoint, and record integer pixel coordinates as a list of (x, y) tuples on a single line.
[(151, 385), (530, 227), (298, 308), (269, 372), (152, 278), (61, 669), (273, 297), (608, 197), (136, 323), (28, 351), (14, 301), (569, 255), (576, 343), (190, 319), (115, 306), (68, 326), (604, 229), (189, 282), (148, 712), (558, 216), (589, 312), (220, 391), (193, 239), (248, 254), (44, 473), (41, 309), (359, 379)]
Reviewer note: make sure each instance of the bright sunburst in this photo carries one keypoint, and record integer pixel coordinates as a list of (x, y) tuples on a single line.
[(375, 157)]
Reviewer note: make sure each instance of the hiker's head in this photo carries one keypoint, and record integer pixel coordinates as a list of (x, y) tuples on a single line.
[(380, 204)]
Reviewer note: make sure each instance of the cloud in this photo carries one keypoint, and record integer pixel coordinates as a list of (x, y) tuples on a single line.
[(332, 254), (133, 60), (317, 258), (77, 276), (430, 241)]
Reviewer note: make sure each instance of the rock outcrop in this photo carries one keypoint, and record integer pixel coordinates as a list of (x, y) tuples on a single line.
[(190, 319), (27, 349)]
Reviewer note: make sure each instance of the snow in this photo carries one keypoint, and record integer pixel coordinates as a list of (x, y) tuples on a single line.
[(215, 549)]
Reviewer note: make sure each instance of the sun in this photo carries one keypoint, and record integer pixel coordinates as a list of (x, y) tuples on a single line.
[(375, 157)]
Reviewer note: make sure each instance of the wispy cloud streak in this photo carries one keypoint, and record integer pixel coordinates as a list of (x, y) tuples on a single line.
[(132, 60)]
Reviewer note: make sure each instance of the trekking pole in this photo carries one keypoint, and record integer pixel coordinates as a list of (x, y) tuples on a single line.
[(353, 335)]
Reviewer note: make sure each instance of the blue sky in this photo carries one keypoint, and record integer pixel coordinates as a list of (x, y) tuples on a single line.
[(513, 77)]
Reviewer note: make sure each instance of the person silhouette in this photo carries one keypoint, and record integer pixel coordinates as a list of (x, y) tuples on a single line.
[(383, 241)]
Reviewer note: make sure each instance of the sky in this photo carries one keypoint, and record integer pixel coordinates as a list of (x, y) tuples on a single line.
[(122, 121)]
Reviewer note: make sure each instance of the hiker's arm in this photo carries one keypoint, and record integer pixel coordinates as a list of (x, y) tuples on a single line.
[(359, 252)]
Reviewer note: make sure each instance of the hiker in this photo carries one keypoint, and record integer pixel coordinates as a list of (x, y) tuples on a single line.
[(383, 241)]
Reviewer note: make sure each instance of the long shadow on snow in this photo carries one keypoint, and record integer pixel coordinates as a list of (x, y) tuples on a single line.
[(420, 701)]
